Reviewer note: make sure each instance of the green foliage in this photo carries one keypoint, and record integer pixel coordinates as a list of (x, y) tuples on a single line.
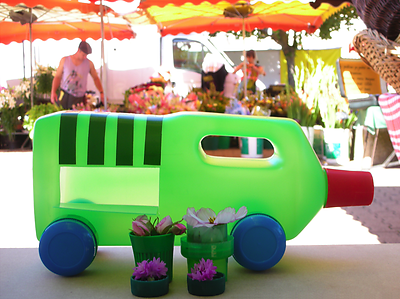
[(37, 111), (307, 84), (10, 118), (321, 87), (345, 16), (212, 100), (44, 79), (299, 111)]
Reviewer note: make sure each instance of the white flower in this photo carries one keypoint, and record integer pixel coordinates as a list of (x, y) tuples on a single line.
[(207, 217)]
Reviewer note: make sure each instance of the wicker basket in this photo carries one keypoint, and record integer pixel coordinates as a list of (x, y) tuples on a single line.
[(381, 54), (380, 15)]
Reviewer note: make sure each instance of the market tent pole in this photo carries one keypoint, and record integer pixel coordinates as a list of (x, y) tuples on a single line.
[(23, 57), (30, 43), (103, 74), (244, 62)]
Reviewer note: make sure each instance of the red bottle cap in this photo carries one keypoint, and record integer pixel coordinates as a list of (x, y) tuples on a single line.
[(349, 188)]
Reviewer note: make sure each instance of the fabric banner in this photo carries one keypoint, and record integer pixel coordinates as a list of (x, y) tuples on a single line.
[(304, 57), (390, 105)]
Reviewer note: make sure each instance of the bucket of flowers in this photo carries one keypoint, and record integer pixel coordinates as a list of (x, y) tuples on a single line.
[(152, 100), (204, 280), (151, 239), (150, 279), (212, 100), (207, 236)]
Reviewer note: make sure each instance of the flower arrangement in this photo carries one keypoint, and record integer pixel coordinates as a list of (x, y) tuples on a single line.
[(7, 98), (150, 99), (22, 92), (210, 100), (150, 270), (10, 113), (204, 270), (143, 226), (237, 107)]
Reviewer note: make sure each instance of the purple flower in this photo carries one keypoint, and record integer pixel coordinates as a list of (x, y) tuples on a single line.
[(202, 271), (150, 270)]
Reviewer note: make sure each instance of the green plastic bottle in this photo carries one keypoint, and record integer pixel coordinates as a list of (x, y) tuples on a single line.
[(103, 169)]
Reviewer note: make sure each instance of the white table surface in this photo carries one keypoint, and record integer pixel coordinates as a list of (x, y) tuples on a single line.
[(311, 271)]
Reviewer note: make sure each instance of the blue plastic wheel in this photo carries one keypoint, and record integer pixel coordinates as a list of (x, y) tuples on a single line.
[(259, 242), (67, 247)]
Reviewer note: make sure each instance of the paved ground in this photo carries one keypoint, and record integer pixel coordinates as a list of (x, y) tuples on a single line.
[(382, 217), (378, 223)]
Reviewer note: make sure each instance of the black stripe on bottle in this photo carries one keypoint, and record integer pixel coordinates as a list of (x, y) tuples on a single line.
[(125, 140), (67, 142), (152, 150), (97, 129)]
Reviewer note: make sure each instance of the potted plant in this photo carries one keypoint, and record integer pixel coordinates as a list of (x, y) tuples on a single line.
[(304, 115), (207, 236), (204, 280), (337, 119), (155, 239), (37, 111), (10, 114), (150, 279), (44, 80), (150, 99)]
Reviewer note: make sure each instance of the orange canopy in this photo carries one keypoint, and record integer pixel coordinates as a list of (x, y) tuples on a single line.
[(15, 32), (210, 17), (66, 5), (57, 23), (162, 3)]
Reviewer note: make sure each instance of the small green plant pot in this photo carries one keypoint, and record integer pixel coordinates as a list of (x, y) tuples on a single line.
[(154, 288), (207, 287), (147, 247), (218, 252)]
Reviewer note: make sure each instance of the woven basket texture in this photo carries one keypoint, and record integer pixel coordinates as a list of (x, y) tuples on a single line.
[(381, 54), (380, 15)]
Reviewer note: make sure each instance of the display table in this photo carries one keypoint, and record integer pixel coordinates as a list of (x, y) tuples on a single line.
[(390, 104), (340, 271), (373, 120)]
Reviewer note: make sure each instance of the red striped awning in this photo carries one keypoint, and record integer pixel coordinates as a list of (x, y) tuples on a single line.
[(390, 105)]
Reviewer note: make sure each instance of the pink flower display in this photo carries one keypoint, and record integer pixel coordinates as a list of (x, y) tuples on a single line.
[(142, 226)]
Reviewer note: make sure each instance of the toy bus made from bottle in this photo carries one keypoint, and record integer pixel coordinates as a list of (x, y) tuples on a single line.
[(94, 172)]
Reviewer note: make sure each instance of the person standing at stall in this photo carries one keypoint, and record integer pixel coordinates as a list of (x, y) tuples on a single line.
[(71, 76), (253, 70)]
